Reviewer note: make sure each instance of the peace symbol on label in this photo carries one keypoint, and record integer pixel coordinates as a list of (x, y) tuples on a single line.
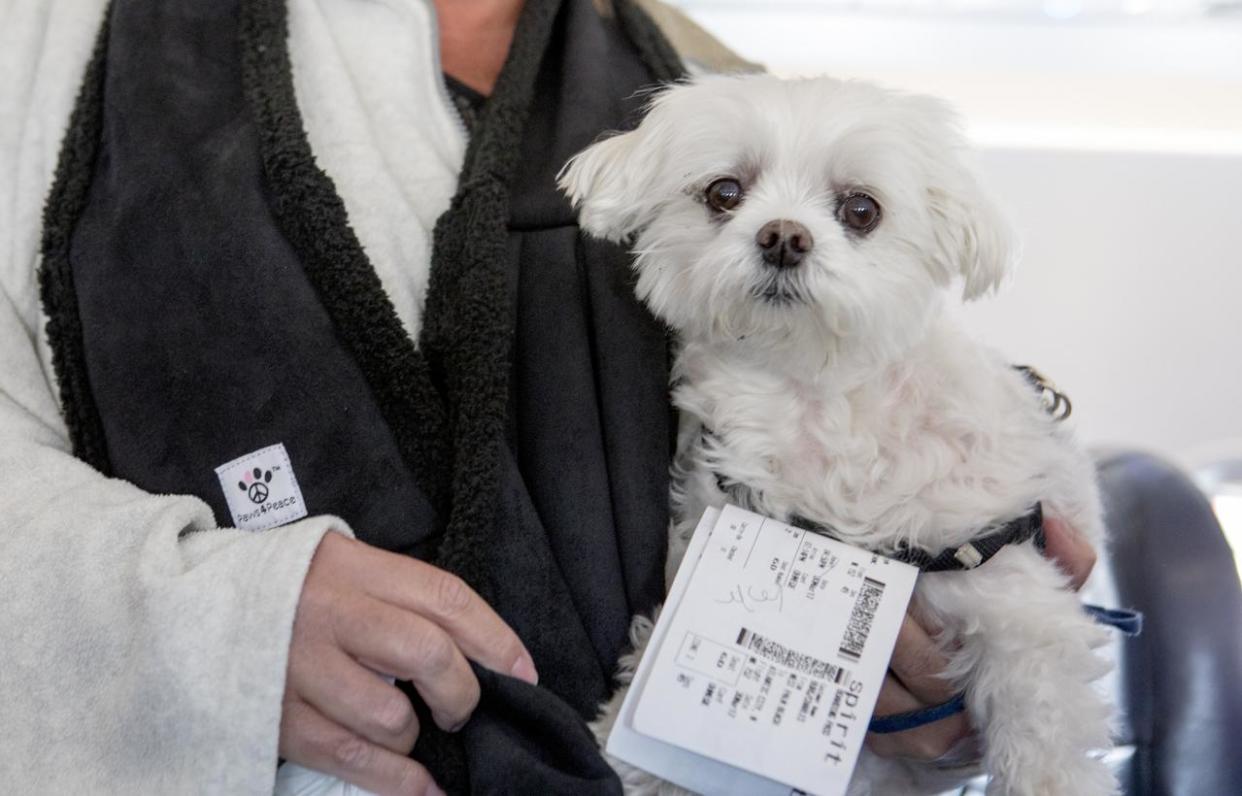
[(258, 492)]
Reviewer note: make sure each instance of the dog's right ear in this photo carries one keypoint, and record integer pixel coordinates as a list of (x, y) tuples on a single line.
[(610, 185)]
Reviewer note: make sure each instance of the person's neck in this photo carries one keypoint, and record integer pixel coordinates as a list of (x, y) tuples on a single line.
[(474, 39)]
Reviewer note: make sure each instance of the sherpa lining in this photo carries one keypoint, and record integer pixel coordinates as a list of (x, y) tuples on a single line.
[(65, 202)]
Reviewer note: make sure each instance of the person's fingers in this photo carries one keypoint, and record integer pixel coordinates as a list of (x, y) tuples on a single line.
[(919, 664), (412, 647), (1069, 549), (895, 698), (915, 682), (926, 743), (448, 601), (358, 699), (310, 739)]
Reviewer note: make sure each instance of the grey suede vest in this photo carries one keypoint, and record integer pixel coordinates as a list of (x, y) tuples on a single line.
[(207, 298)]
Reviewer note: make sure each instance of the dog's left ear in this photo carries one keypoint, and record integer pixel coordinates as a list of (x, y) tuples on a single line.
[(610, 184), (972, 237)]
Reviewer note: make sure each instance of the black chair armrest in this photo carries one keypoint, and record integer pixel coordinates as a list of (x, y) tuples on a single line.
[(1182, 678)]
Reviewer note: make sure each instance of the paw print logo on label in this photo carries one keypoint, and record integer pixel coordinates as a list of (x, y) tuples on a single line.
[(255, 484), (261, 489)]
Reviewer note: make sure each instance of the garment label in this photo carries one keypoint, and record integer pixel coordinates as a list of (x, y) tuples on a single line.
[(261, 489), (767, 657)]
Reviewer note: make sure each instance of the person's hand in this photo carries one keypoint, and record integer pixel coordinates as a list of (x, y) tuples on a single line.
[(914, 679), (363, 611)]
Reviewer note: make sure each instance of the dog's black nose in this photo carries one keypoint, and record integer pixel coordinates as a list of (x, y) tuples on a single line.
[(784, 243)]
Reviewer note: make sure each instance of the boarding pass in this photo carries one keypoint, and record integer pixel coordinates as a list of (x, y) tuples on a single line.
[(764, 666)]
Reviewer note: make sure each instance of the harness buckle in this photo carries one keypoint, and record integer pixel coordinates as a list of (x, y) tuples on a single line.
[(968, 556)]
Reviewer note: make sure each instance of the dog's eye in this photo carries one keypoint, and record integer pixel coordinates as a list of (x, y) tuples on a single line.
[(724, 194), (859, 212)]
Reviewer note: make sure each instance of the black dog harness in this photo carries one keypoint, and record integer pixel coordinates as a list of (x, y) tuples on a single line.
[(968, 556)]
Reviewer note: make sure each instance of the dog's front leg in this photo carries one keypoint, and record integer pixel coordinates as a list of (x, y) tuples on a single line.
[(1027, 660)]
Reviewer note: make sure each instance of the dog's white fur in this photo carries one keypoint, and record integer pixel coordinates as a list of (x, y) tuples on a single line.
[(856, 401)]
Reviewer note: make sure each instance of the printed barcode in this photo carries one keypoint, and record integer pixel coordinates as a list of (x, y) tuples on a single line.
[(859, 626), (799, 662)]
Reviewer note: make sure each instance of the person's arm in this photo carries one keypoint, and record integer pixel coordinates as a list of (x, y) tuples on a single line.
[(139, 646)]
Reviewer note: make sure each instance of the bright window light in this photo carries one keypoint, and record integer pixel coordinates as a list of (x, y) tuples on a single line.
[(1050, 9), (1228, 510), (1095, 75)]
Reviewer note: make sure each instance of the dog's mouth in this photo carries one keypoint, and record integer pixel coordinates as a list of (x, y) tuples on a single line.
[(781, 290)]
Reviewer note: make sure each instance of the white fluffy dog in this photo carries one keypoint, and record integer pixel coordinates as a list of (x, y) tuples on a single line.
[(800, 237)]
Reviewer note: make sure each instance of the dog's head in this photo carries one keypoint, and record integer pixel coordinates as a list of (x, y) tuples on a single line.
[(787, 208)]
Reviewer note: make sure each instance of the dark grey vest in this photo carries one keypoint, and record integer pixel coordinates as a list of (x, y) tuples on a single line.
[(207, 297)]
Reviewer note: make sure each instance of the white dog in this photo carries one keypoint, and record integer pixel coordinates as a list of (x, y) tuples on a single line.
[(800, 237)]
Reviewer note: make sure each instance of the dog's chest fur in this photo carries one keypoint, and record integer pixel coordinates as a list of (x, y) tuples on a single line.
[(926, 449)]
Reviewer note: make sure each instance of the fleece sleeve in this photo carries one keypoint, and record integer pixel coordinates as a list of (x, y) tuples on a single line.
[(142, 649)]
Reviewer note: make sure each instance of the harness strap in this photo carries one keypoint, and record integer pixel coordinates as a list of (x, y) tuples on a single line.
[(1128, 623), (966, 556)]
